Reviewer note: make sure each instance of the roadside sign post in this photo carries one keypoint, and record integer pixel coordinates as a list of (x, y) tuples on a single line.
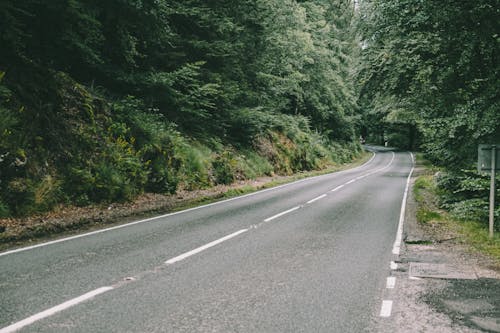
[(492, 189), (488, 160)]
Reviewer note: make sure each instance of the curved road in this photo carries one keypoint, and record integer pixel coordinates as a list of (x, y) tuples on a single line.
[(310, 256)]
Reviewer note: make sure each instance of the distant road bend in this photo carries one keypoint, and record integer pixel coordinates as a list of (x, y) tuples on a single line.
[(310, 256)]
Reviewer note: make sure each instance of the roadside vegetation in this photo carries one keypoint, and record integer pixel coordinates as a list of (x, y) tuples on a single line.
[(465, 218), (429, 81), (101, 101), (104, 101), (64, 219)]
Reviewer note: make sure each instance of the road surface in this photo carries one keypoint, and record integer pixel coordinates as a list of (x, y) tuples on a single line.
[(310, 256)]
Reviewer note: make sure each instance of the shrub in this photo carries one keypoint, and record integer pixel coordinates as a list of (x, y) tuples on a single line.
[(158, 143), (470, 210), (20, 196), (225, 167), (465, 194), (195, 161), (253, 165), (47, 193), (4, 209)]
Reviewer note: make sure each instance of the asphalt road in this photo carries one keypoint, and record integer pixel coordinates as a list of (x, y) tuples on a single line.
[(310, 256)]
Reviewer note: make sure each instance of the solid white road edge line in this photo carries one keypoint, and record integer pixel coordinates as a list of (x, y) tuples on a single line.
[(58, 308), (174, 213), (281, 214), (204, 247), (317, 198), (386, 309), (399, 235)]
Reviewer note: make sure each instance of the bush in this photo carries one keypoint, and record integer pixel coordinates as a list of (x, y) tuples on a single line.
[(253, 165), (465, 194), (157, 142), (225, 167), (20, 196), (113, 151), (4, 209), (114, 174), (47, 193), (160, 164), (470, 210), (195, 162)]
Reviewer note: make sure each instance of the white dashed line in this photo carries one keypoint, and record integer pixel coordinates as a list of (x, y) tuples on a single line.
[(386, 309), (204, 247), (317, 198), (337, 188), (281, 214), (58, 308), (75, 301), (391, 282), (22, 249), (394, 266)]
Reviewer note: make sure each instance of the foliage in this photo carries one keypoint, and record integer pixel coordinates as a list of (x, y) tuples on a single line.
[(428, 77), (413, 75), (463, 224), (466, 195), (103, 100)]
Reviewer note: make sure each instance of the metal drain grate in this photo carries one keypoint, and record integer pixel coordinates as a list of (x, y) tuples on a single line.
[(440, 271)]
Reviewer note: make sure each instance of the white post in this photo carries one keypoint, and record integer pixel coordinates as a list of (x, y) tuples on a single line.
[(492, 189)]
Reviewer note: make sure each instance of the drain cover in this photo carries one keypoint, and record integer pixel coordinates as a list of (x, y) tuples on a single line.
[(440, 271)]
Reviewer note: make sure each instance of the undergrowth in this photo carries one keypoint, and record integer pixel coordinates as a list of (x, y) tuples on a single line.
[(469, 222), (98, 149)]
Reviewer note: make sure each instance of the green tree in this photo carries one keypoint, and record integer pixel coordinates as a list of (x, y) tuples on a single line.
[(433, 65)]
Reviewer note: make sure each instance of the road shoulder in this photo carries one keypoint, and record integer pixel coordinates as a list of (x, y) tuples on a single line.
[(442, 286)]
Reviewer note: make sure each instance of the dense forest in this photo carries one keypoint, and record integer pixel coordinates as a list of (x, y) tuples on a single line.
[(429, 80), (101, 101)]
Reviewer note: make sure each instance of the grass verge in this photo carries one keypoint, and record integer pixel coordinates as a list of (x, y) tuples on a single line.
[(473, 234), (73, 220)]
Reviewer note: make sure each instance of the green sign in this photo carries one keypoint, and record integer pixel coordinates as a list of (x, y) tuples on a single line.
[(485, 153)]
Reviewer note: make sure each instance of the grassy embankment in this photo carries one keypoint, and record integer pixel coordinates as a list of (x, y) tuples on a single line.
[(68, 219), (99, 152), (430, 196)]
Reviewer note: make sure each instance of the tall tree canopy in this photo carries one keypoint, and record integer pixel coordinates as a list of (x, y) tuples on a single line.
[(195, 60), (433, 65), (113, 92)]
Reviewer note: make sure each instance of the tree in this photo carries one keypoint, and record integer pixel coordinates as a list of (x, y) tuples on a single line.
[(433, 65)]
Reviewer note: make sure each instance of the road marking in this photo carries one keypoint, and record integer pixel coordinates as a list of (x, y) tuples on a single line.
[(386, 309), (351, 181), (22, 249), (68, 304), (58, 308), (204, 247), (317, 198), (396, 249), (281, 214), (391, 282), (394, 266), (337, 188)]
